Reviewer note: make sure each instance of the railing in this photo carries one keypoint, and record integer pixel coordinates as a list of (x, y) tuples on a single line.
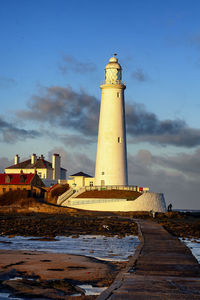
[(112, 82), (111, 187), (62, 198), (65, 196), (79, 191)]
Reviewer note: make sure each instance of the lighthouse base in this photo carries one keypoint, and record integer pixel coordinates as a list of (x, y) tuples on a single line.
[(146, 202)]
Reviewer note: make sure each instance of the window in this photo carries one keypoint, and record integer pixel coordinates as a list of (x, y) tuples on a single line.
[(118, 94), (102, 173), (40, 174), (91, 183), (4, 190), (119, 139), (8, 179), (22, 178)]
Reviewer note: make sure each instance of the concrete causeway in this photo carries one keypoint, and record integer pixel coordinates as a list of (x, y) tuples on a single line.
[(162, 268)]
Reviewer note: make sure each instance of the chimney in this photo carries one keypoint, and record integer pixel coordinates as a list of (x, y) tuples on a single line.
[(16, 159), (56, 166), (33, 158), (42, 156)]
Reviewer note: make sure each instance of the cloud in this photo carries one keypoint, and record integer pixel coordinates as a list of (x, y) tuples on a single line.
[(145, 126), (139, 75), (64, 107), (6, 82), (74, 161), (72, 64), (184, 163), (77, 140), (184, 137), (172, 175), (9, 133), (4, 163)]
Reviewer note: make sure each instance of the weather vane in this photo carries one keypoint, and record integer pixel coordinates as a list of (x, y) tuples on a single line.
[(115, 54)]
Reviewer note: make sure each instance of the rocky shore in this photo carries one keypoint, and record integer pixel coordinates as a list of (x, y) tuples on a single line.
[(184, 224), (44, 275), (71, 222), (51, 225)]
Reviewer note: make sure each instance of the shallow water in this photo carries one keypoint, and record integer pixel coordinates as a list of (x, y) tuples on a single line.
[(194, 245), (91, 290), (6, 296), (101, 247)]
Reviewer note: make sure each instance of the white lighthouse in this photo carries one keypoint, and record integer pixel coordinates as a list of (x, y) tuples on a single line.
[(111, 158)]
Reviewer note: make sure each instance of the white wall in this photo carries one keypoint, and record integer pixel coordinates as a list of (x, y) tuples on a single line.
[(43, 173), (78, 181), (146, 202)]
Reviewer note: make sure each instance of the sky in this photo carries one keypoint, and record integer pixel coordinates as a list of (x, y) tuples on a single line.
[(52, 59)]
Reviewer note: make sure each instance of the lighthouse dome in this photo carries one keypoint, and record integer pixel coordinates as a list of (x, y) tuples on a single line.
[(113, 71), (113, 64)]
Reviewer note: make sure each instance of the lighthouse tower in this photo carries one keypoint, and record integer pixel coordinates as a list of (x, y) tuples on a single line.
[(111, 158)]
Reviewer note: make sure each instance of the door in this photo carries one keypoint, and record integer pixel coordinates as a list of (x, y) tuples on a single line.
[(102, 182)]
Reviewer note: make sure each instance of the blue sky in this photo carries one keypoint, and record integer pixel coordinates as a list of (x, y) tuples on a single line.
[(52, 58)]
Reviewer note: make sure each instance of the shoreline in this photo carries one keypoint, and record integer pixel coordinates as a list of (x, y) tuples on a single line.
[(67, 223)]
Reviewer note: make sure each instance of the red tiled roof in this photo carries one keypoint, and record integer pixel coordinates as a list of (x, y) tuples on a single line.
[(21, 178), (52, 187)]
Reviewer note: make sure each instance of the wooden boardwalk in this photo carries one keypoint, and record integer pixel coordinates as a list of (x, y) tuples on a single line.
[(162, 268)]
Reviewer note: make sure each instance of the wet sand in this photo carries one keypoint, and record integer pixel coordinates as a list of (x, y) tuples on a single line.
[(51, 275)]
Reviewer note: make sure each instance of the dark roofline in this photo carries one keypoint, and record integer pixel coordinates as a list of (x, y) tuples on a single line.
[(81, 174), (27, 165)]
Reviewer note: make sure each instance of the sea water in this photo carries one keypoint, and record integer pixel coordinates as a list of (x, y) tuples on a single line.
[(194, 245), (98, 246)]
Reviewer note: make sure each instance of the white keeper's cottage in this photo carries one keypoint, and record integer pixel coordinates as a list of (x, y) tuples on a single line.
[(49, 172)]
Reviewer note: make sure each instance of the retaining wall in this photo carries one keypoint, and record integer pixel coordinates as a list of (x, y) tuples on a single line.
[(146, 202)]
